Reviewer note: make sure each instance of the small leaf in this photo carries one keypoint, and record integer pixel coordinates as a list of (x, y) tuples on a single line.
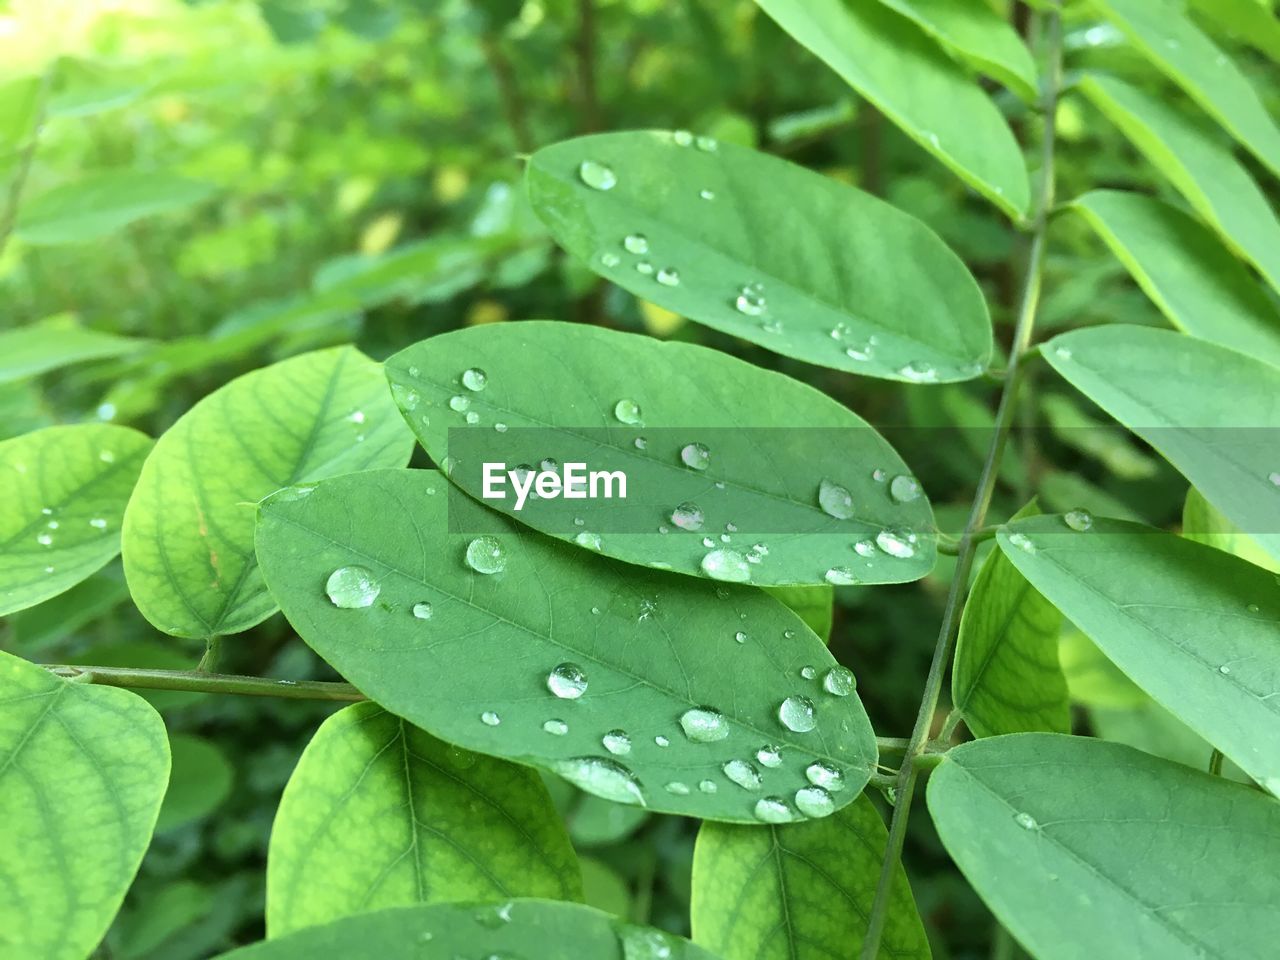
[(1246, 20), (64, 491), (1210, 411), (1196, 628), (1204, 523), (620, 402), (82, 772), (548, 660), (32, 350), (1198, 165), (100, 204), (1180, 51), (1090, 849), (188, 532), (1196, 282), (431, 823), (199, 781), (941, 108), (536, 929), (799, 891), (1006, 677), (746, 243)]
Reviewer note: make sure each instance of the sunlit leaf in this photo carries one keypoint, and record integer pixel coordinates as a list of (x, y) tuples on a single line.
[(32, 350), (1203, 522)]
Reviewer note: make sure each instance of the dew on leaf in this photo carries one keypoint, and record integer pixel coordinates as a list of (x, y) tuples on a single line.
[(669, 277), (751, 300), (864, 548), (617, 742), (896, 543), (919, 371), (603, 777), (704, 725), (728, 565), (567, 681), (610, 260), (814, 802), (708, 786), (743, 774), (1079, 520), (589, 540), (1026, 821), (707, 144), (422, 611), (682, 138), (1022, 542), (695, 456), (485, 555), (769, 755), (636, 243), (808, 672), (557, 728), (490, 719), (597, 176), (475, 379), (628, 412), (678, 788), (904, 489), (645, 267), (839, 681), (773, 810), (352, 588), (840, 577), (661, 741), (827, 777), (798, 714), (835, 500), (460, 403), (688, 516), (740, 636)]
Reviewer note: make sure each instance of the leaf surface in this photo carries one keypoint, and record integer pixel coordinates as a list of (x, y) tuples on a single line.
[(100, 204), (36, 349), (1204, 523), (1247, 20)]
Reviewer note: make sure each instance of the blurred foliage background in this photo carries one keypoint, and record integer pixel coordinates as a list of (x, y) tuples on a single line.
[(356, 169)]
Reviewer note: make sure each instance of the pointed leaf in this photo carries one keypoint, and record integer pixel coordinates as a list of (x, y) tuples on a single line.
[(188, 532), (1204, 523), (41, 347), (1196, 628), (82, 773), (1213, 413), (100, 204), (555, 389), (1195, 281), (389, 817), (1248, 21), (872, 291), (64, 491), (800, 891), (477, 670), (1090, 849)]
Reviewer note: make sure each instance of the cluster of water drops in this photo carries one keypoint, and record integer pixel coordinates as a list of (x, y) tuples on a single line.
[(837, 501)]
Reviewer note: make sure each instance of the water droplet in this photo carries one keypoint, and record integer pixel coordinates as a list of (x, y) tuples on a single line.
[(704, 725), (648, 607), (1022, 542), (485, 555), (1253, 608), (641, 443), (687, 516), (44, 540), (879, 476), (352, 588), (617, 742), (490, 719), (808, 672), (896, 544), (933, 139), (628, 412), (661, 741), (798, 714), (557, 728), (460, 403), (827, 777), (636, 243), (751, 300), (918, 371), (740, 636), (1274, 477), (500, 427), (422, 611), (567, 681), (1026, 821), (707, 144), (814, 802), (840, 577), (603, 777), (695, 456), (861, 354), (610, 260), (644, 267), (728, 565), (707, 194), (835, 500), (357, 417), (1062, 353), (743, 774), (682, 138), (1080, 520), (471, 418), (904, 489), (643, 943), (839, 681), (770, 756), (773, 810), (678, 788), (98, 523), (589, 540), (708, 786), (1224, 669), (475, 379), (597, 176), (669, 277)]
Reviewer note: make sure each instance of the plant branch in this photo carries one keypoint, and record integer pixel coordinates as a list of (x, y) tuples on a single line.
[(195, 681), (1030, 300), (509, 95)]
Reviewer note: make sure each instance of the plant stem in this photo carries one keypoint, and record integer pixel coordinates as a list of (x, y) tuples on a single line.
[(194, 681), (981, 503), (586, 54)]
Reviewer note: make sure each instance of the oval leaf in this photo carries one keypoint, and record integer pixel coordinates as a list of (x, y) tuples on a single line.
[(873, 49), (1213, 413), (389, 816), (101, 204), (759, 486), (872, 291), (802, 890), (1193, 626), (1090, 849), (53, 344), (475, 666), (188, 531), (64, 491), (82, 773), (1195, 281)]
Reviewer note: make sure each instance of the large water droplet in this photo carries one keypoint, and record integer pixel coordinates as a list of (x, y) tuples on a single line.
[(695, 456), (743, 774), (839, 681), (704, 725), (688, 516), (557, 728), (485, 555), (814, 802), (490, 719), (1080, 520), (770, 756), (597, 176), (460, 403), (475, 379), (808, 672), (617, 742), (896, 544), (864, 548), (773, 810), (643, 943), (352, 588), (798, 714), (727, 565), (669, 277), (919, 371), (904, 489), (636, 243), (840, 577), (603, 777), (835, 500), (422, 611), (628, 412), (751, 300), (567, 681), (827, 777)]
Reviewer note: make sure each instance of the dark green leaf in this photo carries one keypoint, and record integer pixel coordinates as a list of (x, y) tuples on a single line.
[(100, 204), (199, 781)]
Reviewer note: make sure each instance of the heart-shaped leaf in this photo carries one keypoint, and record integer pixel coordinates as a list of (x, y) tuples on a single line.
[(747, 243), (641, 686)]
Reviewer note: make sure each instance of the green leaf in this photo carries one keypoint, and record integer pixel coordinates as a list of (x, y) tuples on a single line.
[(872, 291), (800, 891), (1201, 168), (64, 491), (1191, 625), (19, 107), (32, 350), (1093, 679), (979, 36), (82, 772), (1183, 53), (1210, 411), (100, 204), (1090, 849), (188, 532), (1249, 21), (477, 670), (1006, 677), (542, 929), (1204, 523), (556, 388), (813, 604), (1197, 284), (877, 51), (199, 781), (389, 816)]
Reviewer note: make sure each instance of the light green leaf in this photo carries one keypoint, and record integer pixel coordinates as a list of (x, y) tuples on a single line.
[(799, 891), (1249, 21), (54, 344), (1197, 284), (475, 666), (1006, 677), (1202, 169), (19, 107), (1085, 849), (813, 604), (188, 532), (979, 36), (82, 772), (100, 204), (1183, 53), (1093, 679), (556, 388), (1204, 523), (541, 929), (389, 816), (1210, 411), (64, 491), (747, 243), (1196, 628), (891, 62), (199, 781)]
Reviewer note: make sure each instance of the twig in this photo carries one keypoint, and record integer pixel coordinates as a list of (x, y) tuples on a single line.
[(194, 681)]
